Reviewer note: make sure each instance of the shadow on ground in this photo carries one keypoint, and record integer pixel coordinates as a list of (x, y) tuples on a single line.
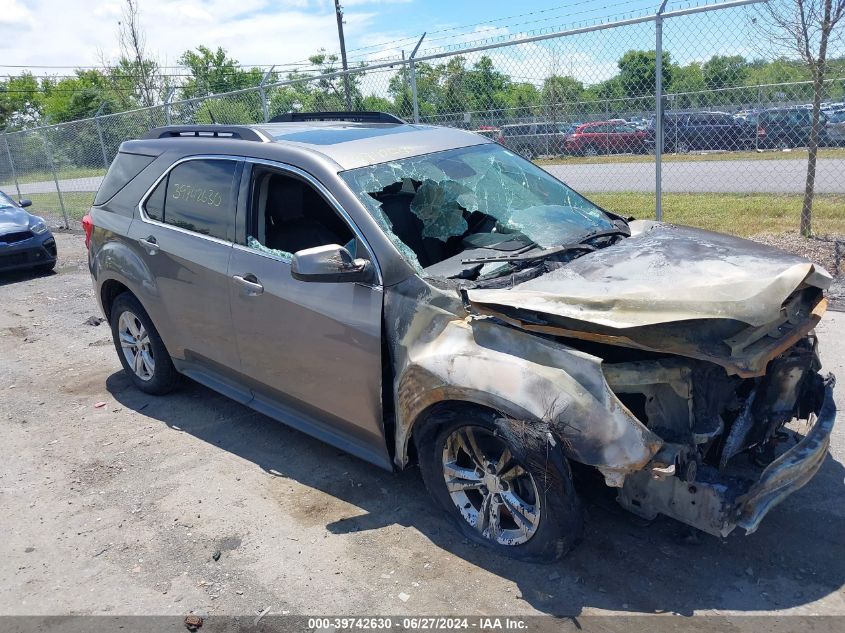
[(622, 564), (23, 276)]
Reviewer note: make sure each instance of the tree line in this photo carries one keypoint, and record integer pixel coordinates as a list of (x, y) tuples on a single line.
[(452, 87)]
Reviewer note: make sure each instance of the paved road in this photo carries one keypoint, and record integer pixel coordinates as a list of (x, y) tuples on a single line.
[(722, 176), (718, 176)]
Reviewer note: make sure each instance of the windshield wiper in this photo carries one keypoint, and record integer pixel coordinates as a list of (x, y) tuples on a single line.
[(604, 233), (530, 256)]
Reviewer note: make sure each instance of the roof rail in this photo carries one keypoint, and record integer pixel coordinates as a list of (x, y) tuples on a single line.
[(239, 132), (355, 117)]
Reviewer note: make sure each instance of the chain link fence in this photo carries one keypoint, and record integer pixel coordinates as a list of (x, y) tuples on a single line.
[(581, 101)]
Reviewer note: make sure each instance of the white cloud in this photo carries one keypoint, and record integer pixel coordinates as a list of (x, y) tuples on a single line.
[(14, 13), (252, 31)]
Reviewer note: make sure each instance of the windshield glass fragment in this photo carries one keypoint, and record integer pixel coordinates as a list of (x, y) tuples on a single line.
[(437, 206)]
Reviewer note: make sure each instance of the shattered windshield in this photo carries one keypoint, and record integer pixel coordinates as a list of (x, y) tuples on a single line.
[(439, 205)]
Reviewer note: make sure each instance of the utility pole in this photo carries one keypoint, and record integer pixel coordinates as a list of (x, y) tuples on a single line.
[(339, 15)]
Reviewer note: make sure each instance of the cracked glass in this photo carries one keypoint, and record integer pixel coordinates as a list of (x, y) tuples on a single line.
[(434, 206)]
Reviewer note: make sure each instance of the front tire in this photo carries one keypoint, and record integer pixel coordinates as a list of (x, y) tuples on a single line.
[(139, 347), (503, 483)]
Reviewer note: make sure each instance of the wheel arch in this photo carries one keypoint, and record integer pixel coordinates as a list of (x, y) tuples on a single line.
[(117, 268), (521, 377), (110, 289)]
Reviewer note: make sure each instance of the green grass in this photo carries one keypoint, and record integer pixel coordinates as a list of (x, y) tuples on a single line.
[(46, 175), (739, 214), (76, 204), (686, 158)]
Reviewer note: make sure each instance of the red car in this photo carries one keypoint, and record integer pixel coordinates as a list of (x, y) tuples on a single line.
[(605, 137)]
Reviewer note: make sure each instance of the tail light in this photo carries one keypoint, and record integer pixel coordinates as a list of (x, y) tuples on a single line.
[(88, 226), (761, 131)]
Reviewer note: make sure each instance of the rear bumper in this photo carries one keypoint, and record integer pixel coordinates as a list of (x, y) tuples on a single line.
[(791, 470), (36, 251)]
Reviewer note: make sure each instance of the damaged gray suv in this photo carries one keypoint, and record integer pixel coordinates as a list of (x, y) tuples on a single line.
[(422, 295)]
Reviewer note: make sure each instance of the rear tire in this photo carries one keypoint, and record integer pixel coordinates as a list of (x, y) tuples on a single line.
[(139, 347), (515, 495)]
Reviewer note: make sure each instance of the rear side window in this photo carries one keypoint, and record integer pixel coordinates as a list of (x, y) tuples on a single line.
[(199, 196), (123, 169)]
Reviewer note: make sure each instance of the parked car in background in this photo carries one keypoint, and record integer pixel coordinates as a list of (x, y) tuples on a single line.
[(535, 139), (690, 131), (605, 137), (488, 131), (835, 128), (25, 240), (410, 293), (785, 128)]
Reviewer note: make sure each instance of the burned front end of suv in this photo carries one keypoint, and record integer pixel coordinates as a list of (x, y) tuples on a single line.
[(679, 363), (707, 341)]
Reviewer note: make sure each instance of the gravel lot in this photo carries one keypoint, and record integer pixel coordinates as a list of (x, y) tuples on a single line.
[(123, 508)]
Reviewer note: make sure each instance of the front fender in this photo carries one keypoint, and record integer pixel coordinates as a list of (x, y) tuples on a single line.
[(526, 377)]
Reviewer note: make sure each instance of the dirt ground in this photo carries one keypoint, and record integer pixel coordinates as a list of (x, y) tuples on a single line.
[(192, 502)]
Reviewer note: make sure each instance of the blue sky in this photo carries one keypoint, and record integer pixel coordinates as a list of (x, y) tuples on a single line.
[(36, 32)]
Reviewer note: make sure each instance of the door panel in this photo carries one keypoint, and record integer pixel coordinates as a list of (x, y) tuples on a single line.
[(184, 236), (191, 279), (315, 347)]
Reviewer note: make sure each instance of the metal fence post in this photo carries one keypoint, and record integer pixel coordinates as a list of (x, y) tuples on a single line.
[(264, 106), (47, 149), (413, 70), (658, 118), (11, 162), (167, 101), (100, 134)]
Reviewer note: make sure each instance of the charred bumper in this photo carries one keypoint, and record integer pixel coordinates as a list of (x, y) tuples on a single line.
[(716, 502), (791, 470)]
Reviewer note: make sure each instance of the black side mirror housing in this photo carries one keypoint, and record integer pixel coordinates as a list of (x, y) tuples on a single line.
[(26, 202), (330, 264)]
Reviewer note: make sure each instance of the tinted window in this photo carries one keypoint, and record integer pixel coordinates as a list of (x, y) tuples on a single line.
[(199, 196), (123, 169)]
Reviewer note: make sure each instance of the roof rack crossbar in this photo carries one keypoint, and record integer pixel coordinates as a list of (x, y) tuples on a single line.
[(355, 117), (238, 132)]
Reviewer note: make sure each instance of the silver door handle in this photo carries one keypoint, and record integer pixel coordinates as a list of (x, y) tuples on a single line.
[(150, 244), (250, 283)]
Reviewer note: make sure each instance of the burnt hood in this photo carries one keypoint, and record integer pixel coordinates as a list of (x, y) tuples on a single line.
[(664, 274)]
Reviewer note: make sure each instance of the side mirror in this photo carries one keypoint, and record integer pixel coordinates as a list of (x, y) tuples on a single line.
[(25, 202), (332, 264)]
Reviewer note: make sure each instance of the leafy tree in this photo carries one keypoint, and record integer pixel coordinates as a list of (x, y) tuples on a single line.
[(724, 71), (638, 72), (214, 72), (21, 102), (689, 85), (561, 97)]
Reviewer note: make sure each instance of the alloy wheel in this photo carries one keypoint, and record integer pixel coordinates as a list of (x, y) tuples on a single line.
[(492, 491), (136, 346)]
